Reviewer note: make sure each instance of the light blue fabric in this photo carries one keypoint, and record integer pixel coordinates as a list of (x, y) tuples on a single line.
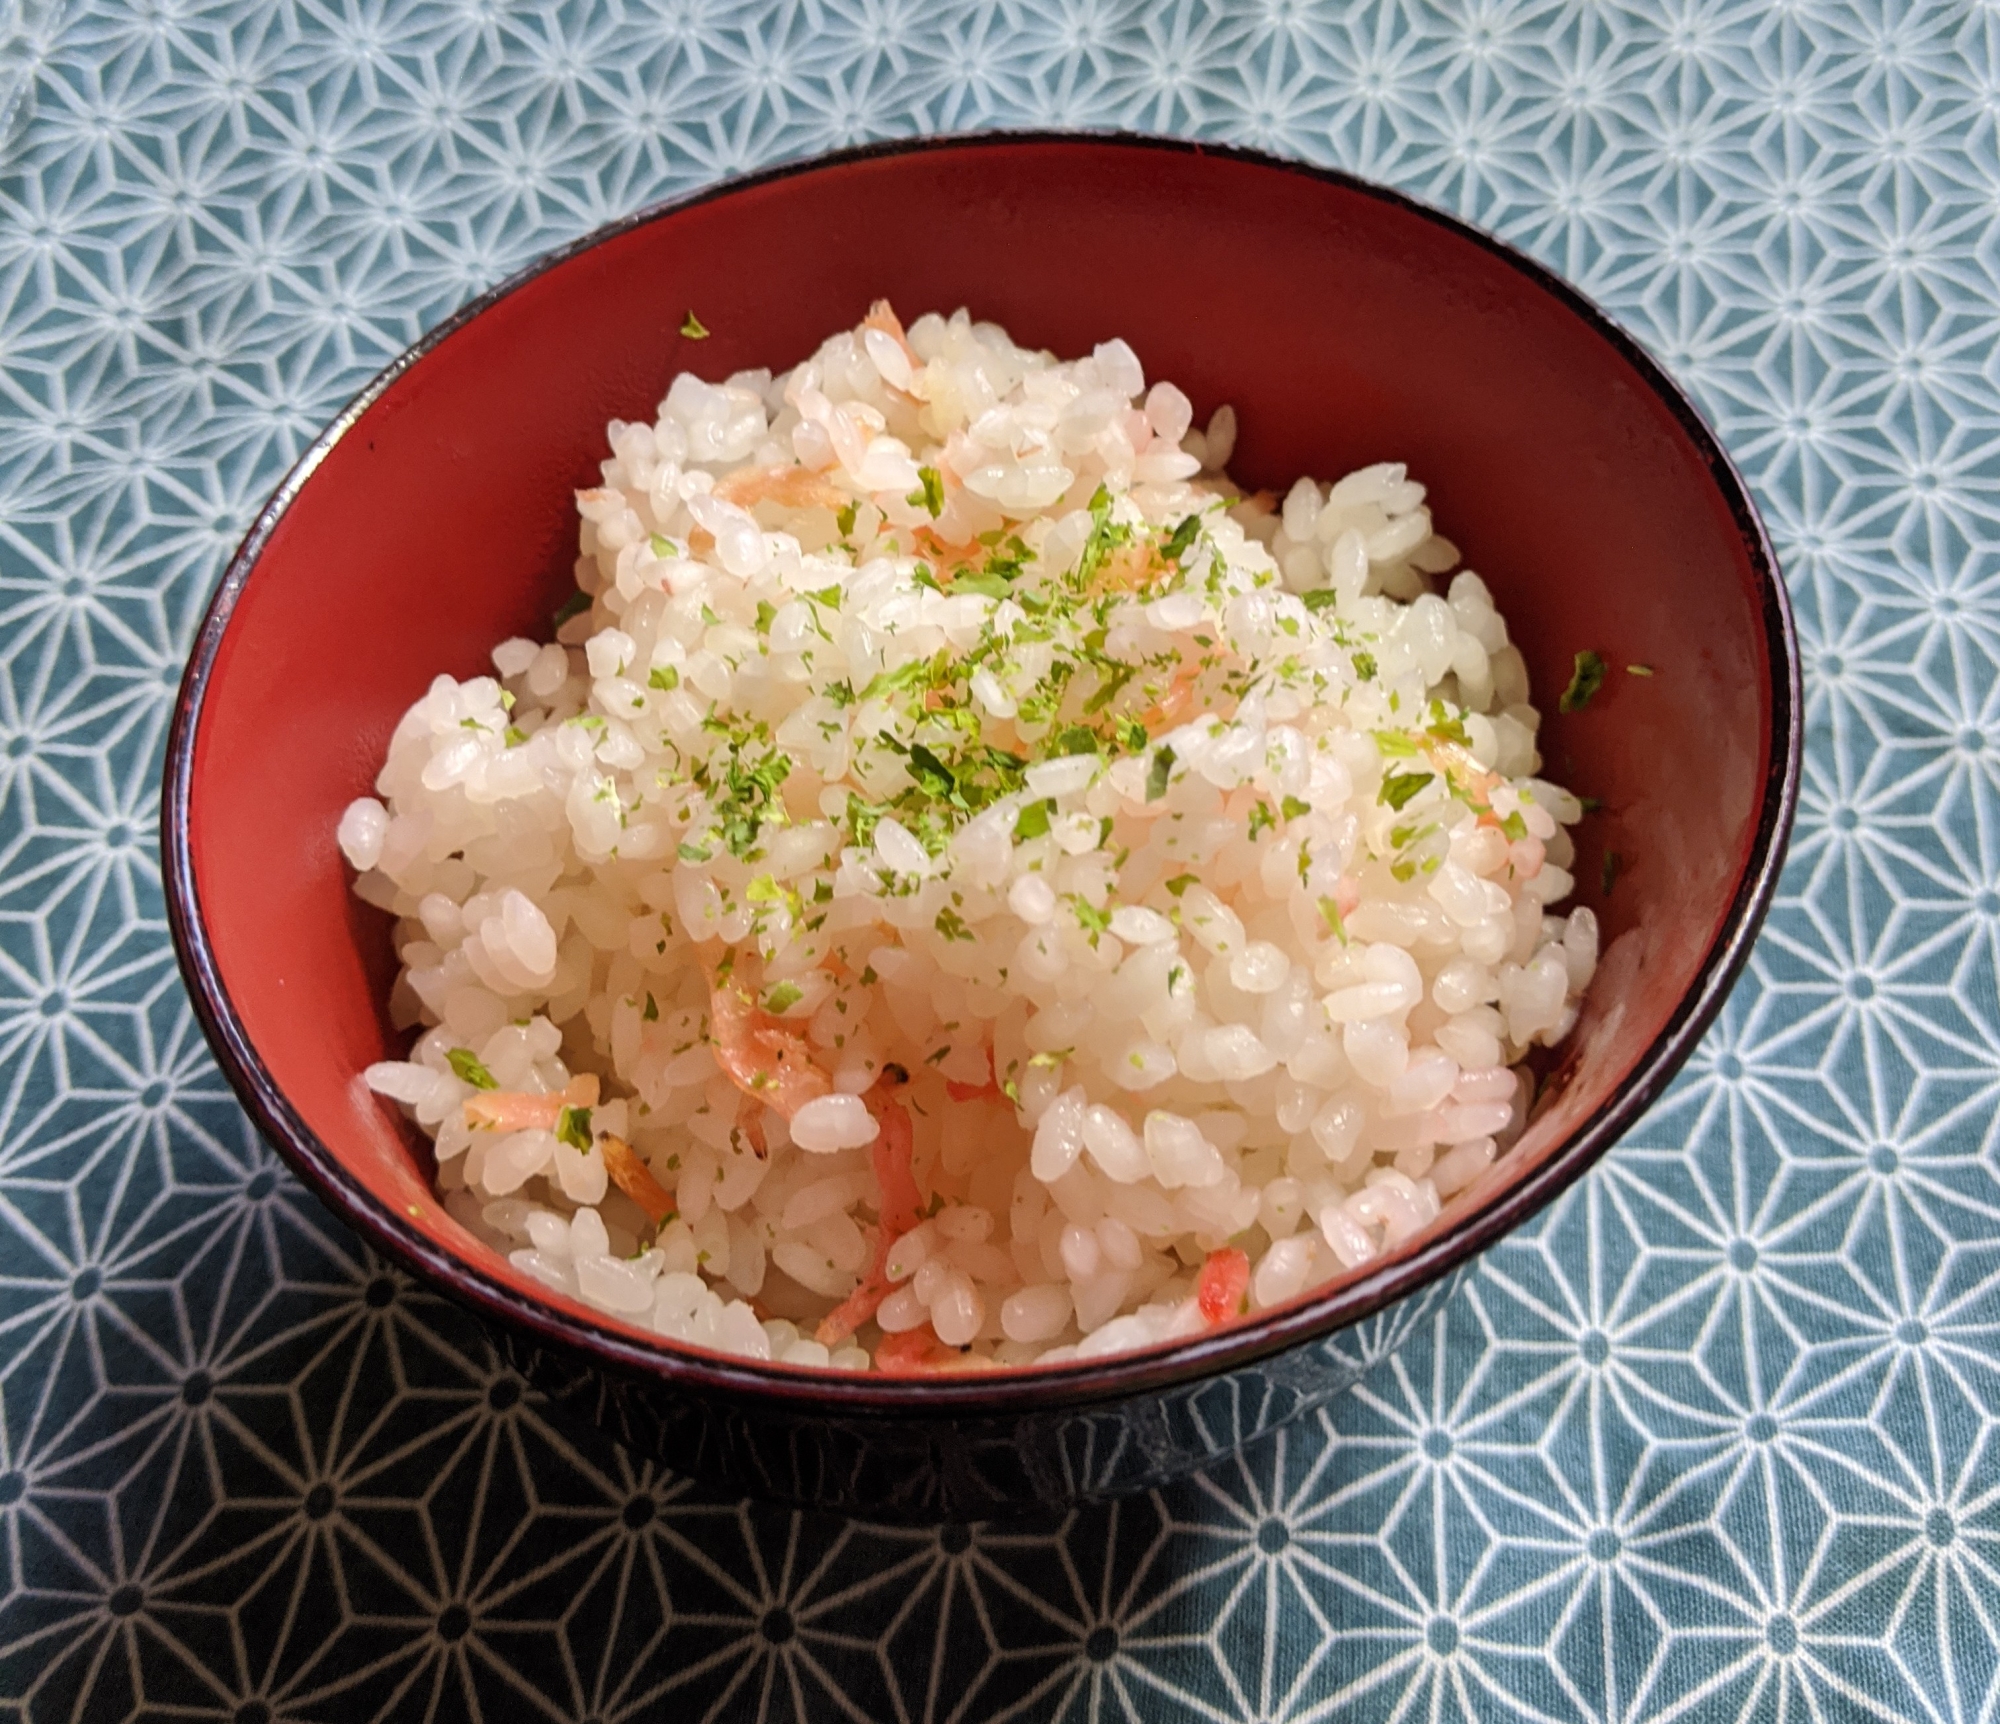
[(1715, 1440)]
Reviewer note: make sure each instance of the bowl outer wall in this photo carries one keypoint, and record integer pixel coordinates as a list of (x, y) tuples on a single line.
[(1576, 477)]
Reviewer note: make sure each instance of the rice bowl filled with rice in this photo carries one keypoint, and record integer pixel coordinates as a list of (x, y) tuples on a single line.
[(966, 886)]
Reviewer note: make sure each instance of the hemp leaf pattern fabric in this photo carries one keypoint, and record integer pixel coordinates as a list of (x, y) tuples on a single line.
[(1715, 1439)]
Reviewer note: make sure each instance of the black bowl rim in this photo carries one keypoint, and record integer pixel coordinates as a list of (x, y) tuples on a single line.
[(1077, 1383)]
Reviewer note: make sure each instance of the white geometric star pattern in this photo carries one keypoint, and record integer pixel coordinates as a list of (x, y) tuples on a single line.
[(1718, 1438)]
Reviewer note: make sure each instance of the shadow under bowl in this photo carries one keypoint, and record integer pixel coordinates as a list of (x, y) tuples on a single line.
[(1347, 325)]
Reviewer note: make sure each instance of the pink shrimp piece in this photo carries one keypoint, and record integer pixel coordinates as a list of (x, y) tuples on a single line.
[(863, 1302), (633, 1177), (973, 1091), (913, 1352), (1173, 706), (765, 1059), (522, 1110), (882, 316), (1462, 767), (902, 1202), (1223, 1288), (795, 487), (929, 542), (902, 1206), (512, 1110)]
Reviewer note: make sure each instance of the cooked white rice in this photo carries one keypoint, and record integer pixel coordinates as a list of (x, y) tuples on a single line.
[(1173, 863)]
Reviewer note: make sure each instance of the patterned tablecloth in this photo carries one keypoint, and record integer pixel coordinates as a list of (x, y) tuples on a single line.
[(1715, 1440)]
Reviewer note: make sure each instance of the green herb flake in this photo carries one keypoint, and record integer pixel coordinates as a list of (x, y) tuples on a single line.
[(1294, 809), (1399, 787), (1585, 680), (1336, 923), (651, 1014), (1075, 739), (903, 676), (1515, 827), (1176, 544), (1590, 804), (929, 493), (767, 614), (693, 328), (696, 853), (782, 997), (1106, 536), (665, 678), (1180, 883), (1320, 599), (1394, 743), (573, 606), (1613, 865), (985, 582), (1115, 677), (744, 794), (1089, 917), (844, 520), (1161, 770), (663, 546), (515, 736), (573, 1128), (467, 1068), (931, 773), (862, 819), (1261, 817), (951, 924), (1364, 666), (1033, 820)]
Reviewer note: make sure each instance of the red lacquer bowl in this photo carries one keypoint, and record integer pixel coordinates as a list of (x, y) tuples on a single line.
[(1347, 325)]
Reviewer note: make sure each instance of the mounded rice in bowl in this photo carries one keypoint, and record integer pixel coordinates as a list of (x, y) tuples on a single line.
[(965, 885)]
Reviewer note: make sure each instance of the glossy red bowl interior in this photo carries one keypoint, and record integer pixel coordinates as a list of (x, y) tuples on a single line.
[(1346, 325)]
